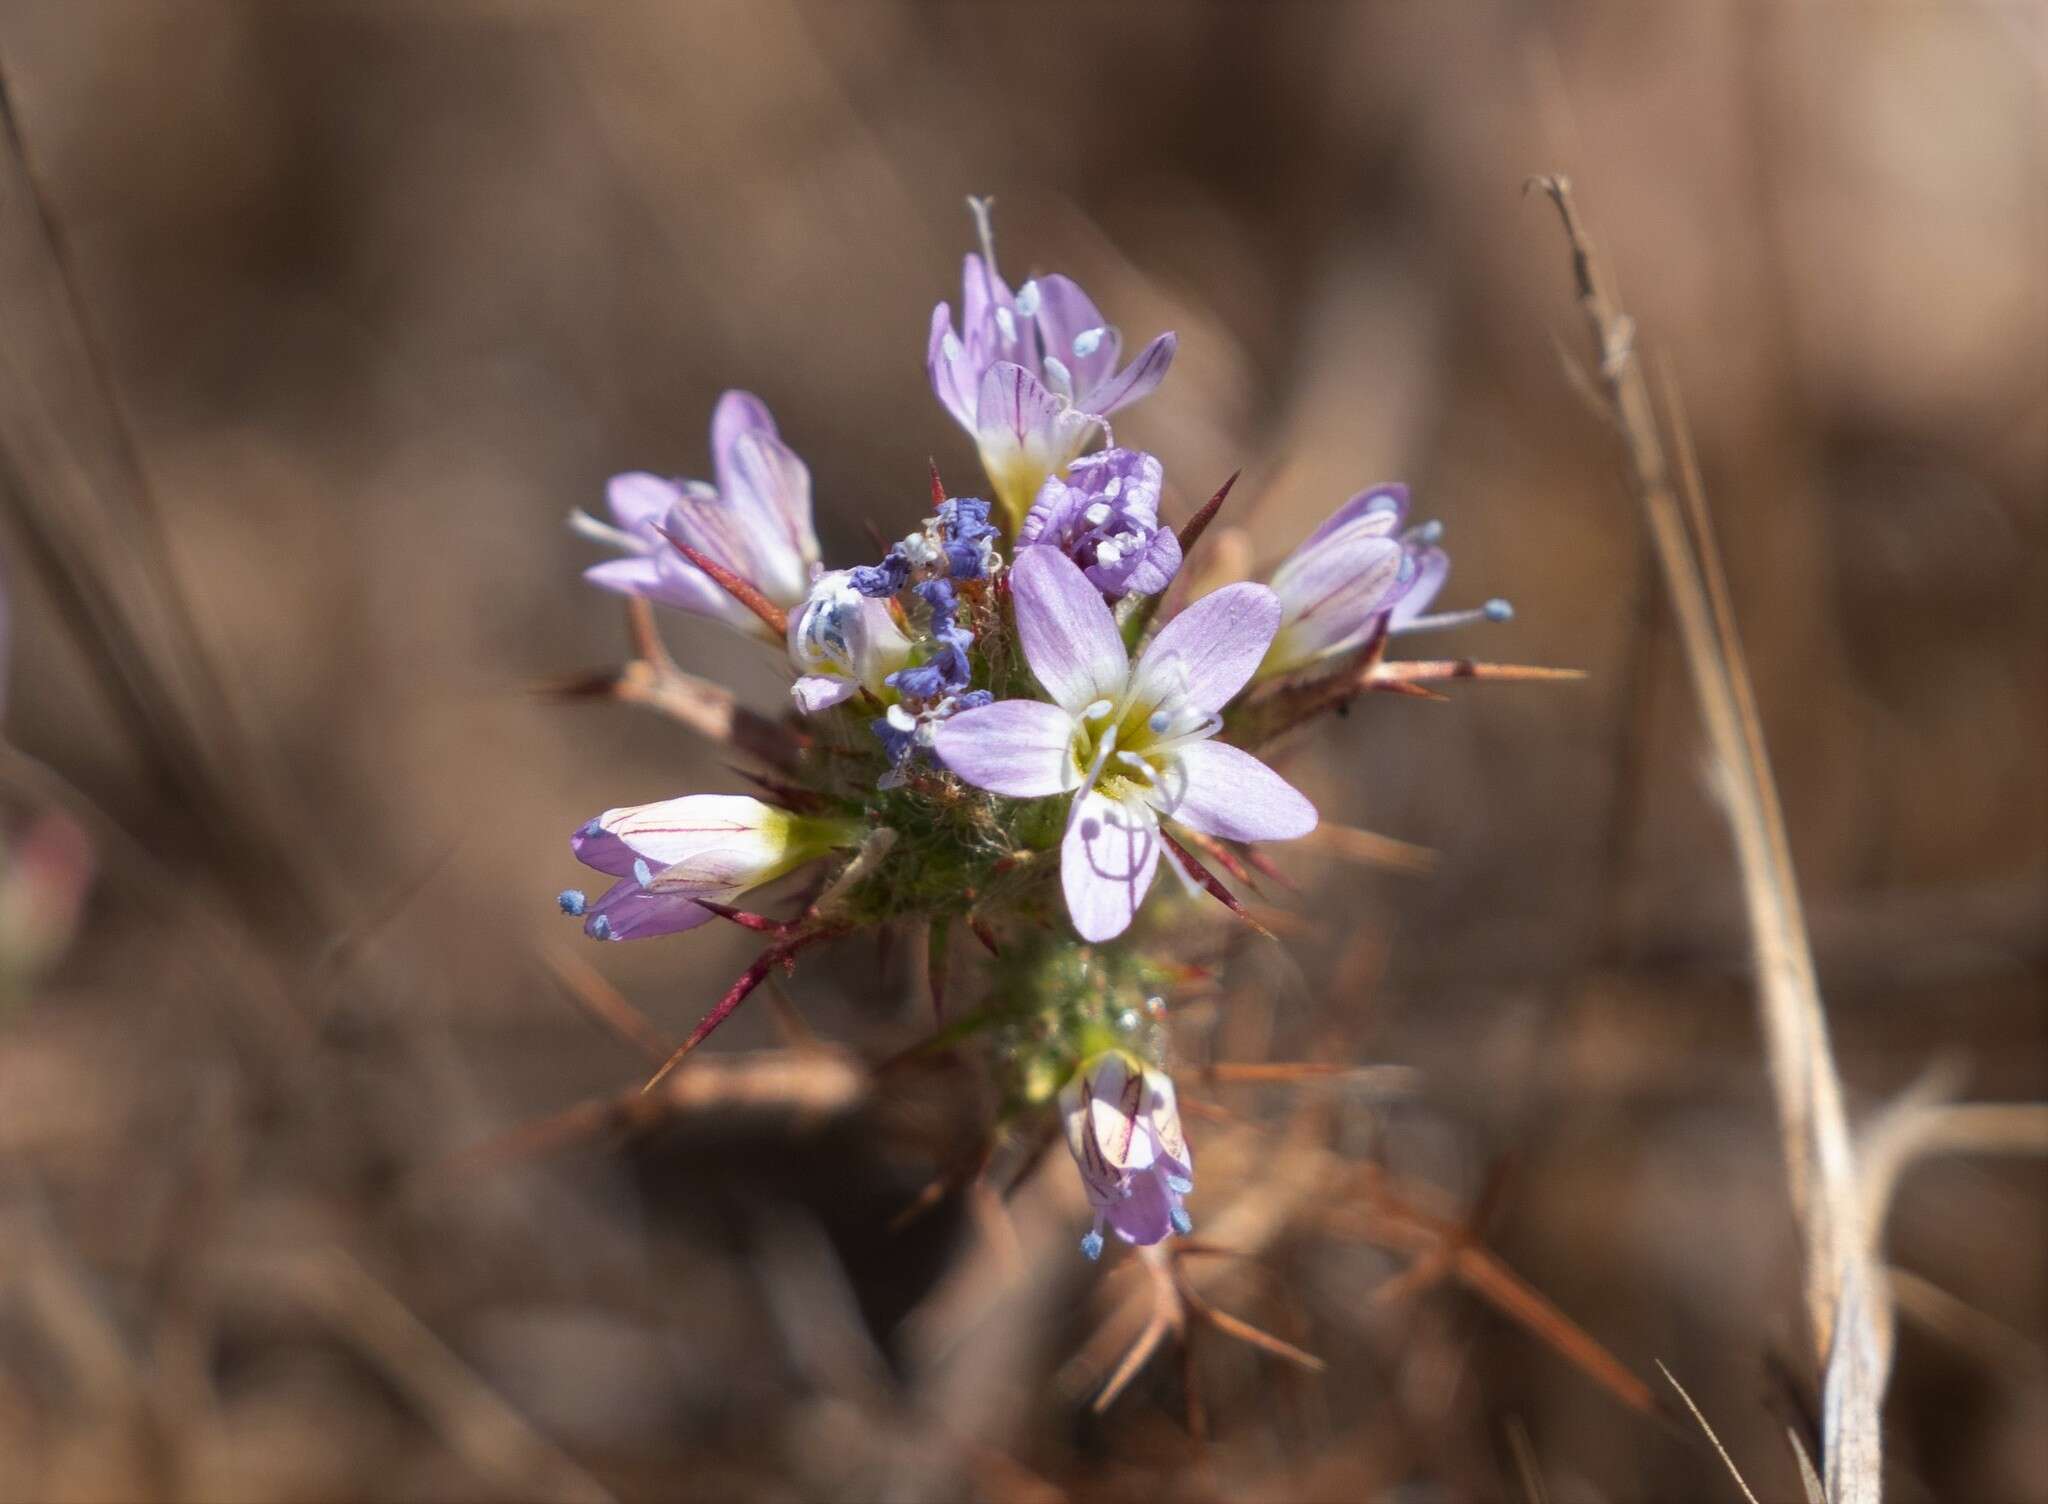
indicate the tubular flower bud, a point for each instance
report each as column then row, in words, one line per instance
column 1104, row 515
column 1345, row 576
column 1123, row 1129
column 841, row 642
column 669, row 854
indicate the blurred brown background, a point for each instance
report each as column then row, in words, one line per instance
column 383, row 290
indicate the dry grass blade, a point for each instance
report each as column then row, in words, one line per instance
column 605, row 1004
column 88, row 521
column 1733, row 1471
column 1369, row 849
column 476, row 1423
column 1812, row 1120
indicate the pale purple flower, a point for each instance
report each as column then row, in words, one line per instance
column 1031, row 374
column 756, row 522
column 669, row 854
column 1344, row 577
column 1123, row 1128
column 842, row 642
column 1131, row 742
column 1104, row 515
column 1358, row 568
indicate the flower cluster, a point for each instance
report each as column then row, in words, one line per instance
column 1010, row 719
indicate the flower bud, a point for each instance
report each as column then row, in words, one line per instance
column 1123, row 1129
column 841, row 642
column 669, row 854
column 1104, row 515
column 1343, row 578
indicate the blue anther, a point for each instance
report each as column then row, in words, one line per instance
column 1431, row 531
column 1499, row 610
column 1180, row 1185
column 599, row 927
column 642, row 873
column 1182, row 1222
column 1091, row 1245
column 571, row 901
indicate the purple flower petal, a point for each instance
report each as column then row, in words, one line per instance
column 769, row 491
column 628, row 911
column 1020, row 748
column 952, row 374
column 1138, row 379
column 816, row 692
column 655, row 579
column 1432, row 568
column 639, row 500
column 1332, row 592
column 1156, row 568
column 1066, row 315
column 1377, row 509
column 1162, row 1112
column 1231, row 794
column 594, row 846
column 1145, row 1216
column 737, row 415
column 1017, row 419
column 719, row 838
column 1107, row 862
column 1207, row 653
column 1070, row 639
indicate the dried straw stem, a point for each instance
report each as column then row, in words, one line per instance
column 1843, row 1294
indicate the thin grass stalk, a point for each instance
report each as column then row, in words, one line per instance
column 1850, row 1341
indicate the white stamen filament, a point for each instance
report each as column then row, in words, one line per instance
column 1199, row 731
column 979, row 208
column 1494, row 610
column 586, row 526
column 1102, row 753
column 1007, row 323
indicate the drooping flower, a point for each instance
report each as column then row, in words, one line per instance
column 669, row 854
column 1031, row 374
column 1344, row 577
column 1104, row 515
column 1123, row 1128
column 1358, row 568
column 842, row 642
column 1131, row 742
column 756, row 522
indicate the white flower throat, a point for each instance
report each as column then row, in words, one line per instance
column 1128, row 747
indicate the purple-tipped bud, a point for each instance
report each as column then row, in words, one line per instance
column 1104, row 515
column 1123, row 1129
